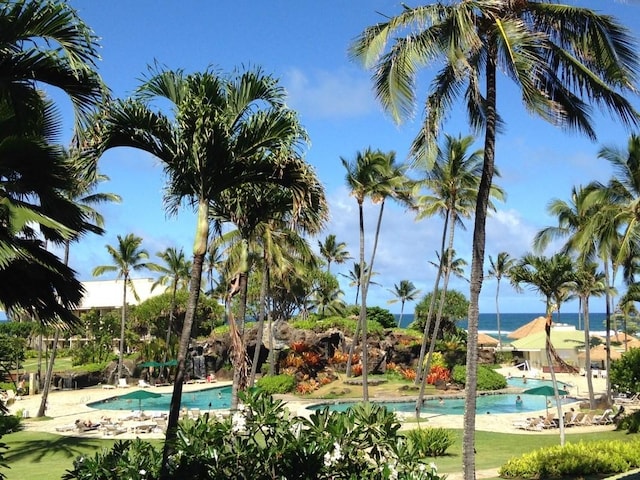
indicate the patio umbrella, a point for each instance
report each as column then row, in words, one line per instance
column 545, row 390
column 151, row 364
column 139, row 395
column 170, row 363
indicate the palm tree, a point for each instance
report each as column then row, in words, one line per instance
column 550, row 277
column 43, row 44
column 453, row 181
column 563, row 58
column 175, row 275
column 404, row 292
column 128, row 257
column 355, row 276
column 498, row 269
column 333, row 251
column 229, row 130
column 588, row 283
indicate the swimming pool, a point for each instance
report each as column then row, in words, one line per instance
column 498, row 403
column 518, row 382
column 208, row 399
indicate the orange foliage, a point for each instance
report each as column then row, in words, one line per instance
column 299, row 347
column 437, row 373
column 339, row 357
column 307, row 387
column 356, row 370
column 311, row 358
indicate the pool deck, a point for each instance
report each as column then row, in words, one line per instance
column 67, row 406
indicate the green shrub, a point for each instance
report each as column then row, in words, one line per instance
column 504, row 357
column 10, row 423
column 431, row 442
column 263, row 441
column 575, row 460
column 346, row 325
column 488, row 379
column 7, row 386
column 276, row 383
column 630, row 422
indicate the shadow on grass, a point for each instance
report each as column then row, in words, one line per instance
column 34, row 447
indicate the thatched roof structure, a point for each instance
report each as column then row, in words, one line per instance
column 485, row 340
column 534, row 326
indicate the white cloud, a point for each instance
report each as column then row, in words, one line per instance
column 330, row 95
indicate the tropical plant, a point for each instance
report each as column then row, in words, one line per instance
column 551, row 277
column 175, row 274
column 333, row 251
column 355, row 276
column 498, row 269
column 44, row 44
column 454, row 181
column 563, row 58
column 229, row 130
column 405, row 291
column 128, row 257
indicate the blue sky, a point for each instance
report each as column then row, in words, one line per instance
column 305, row 44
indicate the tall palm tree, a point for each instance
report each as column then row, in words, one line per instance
column 453, row 181
column 404, row 292
column 588, row 283
column 175, row 274
column 500, row 269
column 128, row 257
column 550, row 277
column 355, row 276
column 43, row 44
column 563, row 59
column 229, row 130
column 333, row 251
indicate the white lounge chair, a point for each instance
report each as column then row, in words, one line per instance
column 122, row 383
column 143, row 383
column 112, row 429
column 604, row 419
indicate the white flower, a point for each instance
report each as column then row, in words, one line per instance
column 433, row 466
column 238, row 423
column 333, row 457
column 142, row 472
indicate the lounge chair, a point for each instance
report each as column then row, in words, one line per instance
column 549, row 422
column 122, row 383
column 586, row 420
column 536, row 424
column 632, row 400
column 82, row 427
column 143, row 383
column 570, row 418
column 604, row 419
column 113, row 429
column 66, row 428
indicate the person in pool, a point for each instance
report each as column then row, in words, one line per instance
column 518, row 401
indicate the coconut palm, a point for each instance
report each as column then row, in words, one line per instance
column 333, row 251
column 453, row 181
column 563, row 59
column 128, row 257
column 175, row 274
column 500, row 269
column 355, row 276
column 550, row 277
column 588, row 283
column 43, row 44
column 404, row 292
column 226, row 131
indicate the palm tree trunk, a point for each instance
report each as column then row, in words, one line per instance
column 477, row 260
column 263, row 308
column 498, row 314
column 587, row 352
column 363, row 309
column 427, row 324
column 436, row 327
column 553, row 376
column 48, row 375
column 401, row 313
column 199, row 251
column 170, row 325
column 123, row 319
column 608, row 301
column 239, row 355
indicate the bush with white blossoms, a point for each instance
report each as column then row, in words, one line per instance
column 264, row 441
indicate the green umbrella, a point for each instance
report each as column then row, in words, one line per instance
column 545, row 390
column 170, row 363
column 151, row 364
column 139, row 395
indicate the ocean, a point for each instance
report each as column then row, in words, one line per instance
column 488, row 323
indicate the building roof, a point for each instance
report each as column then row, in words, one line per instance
column 535, row 325
column 484, row 339
column 599, row 353
column 563, row 338
column 108, row 293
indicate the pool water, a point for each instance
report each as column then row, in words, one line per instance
column 518, row 382
column 499, row 403
column 209, row 399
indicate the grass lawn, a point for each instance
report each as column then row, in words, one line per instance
column 46, row 456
